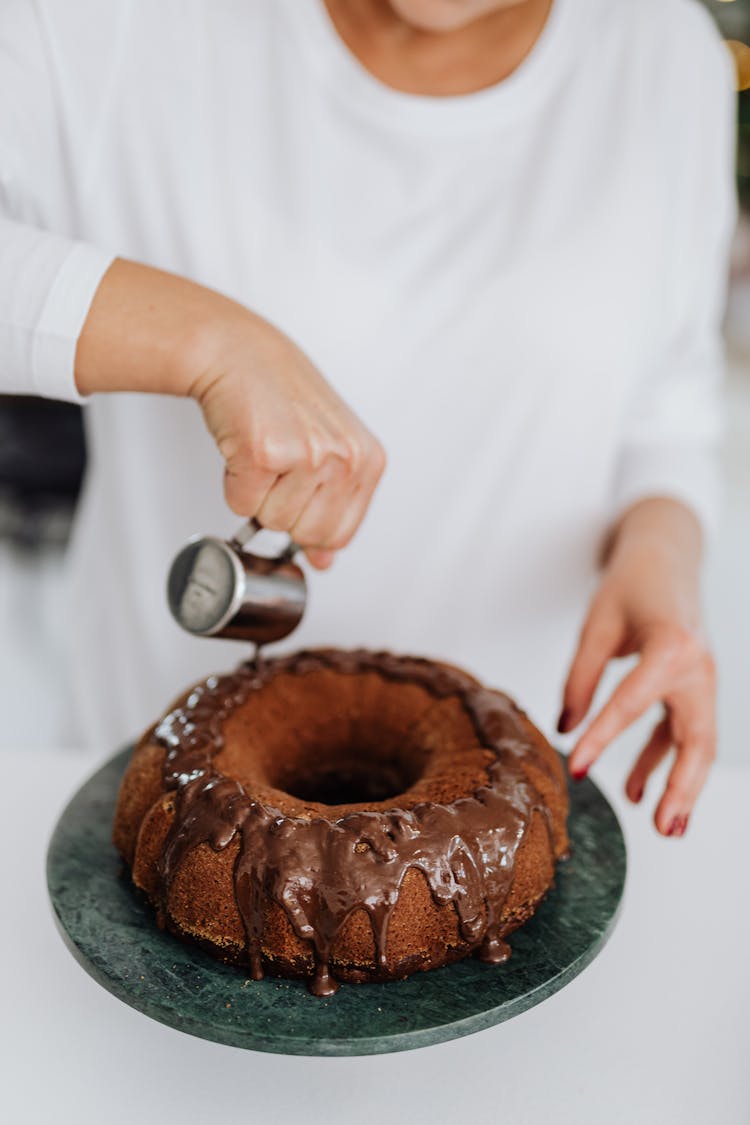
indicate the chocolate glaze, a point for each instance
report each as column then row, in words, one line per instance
column 320, row 871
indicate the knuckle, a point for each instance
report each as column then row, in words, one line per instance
column 339, row 460
column 352, row 454
column 313, row 453
column 705, row 747
column 362, row 456
column 230, row 448
column 624, row 712
column 681, row 648
column 378, row 459
column 270, row 456
column 707, row 664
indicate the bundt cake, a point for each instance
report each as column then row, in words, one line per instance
column 336, row 815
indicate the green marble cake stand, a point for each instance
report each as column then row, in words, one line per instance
column 111, row 932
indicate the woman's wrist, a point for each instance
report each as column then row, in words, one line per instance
column 654, row 557
column 223, row 336
column 661, row 529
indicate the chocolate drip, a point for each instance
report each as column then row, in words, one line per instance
column 320, row 872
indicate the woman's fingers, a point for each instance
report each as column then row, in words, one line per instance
column 338, row 506
column 246, row 487
column 286, row 500
column 677, row 670
column 686, row 779
column 645, row 685
column 353, row 516
column 689, row 771
column 655, row 750
column 283, row 507
column 319, row 498
column 329, row 508
column 274, row 475
column 693, row 723
column 598, row 643
column 320, row 509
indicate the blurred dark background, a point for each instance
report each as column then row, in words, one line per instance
column 42, row 460
column 733, row 18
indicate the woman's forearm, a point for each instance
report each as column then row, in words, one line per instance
column 148, row 330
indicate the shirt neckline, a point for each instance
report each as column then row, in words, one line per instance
column 341, row 70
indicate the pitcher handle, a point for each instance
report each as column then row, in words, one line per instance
column 249, row 529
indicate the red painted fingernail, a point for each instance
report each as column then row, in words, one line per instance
column 578, row 775
column 682, row 826
column 563, row 723
column 673, row 829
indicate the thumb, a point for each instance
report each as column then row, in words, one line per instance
column 599, row 641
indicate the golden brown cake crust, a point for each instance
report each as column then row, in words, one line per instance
column 343, row 816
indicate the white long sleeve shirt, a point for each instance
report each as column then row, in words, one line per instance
column 518, row 290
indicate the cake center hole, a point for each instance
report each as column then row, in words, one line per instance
column 357, row 780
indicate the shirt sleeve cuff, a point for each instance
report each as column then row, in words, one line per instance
column 677, row 472
column 61, row 320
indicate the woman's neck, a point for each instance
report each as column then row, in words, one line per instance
column 440, row 64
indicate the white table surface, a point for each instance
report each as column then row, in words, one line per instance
column 655, row 1031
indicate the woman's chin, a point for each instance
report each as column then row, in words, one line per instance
column 445, row 15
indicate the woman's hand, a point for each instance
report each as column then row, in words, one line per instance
column 296, row 456
column 648, row 604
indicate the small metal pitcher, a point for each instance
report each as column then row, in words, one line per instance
column 217, row 588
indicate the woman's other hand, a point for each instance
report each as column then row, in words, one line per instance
column 297, row 458
column 648, row 603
